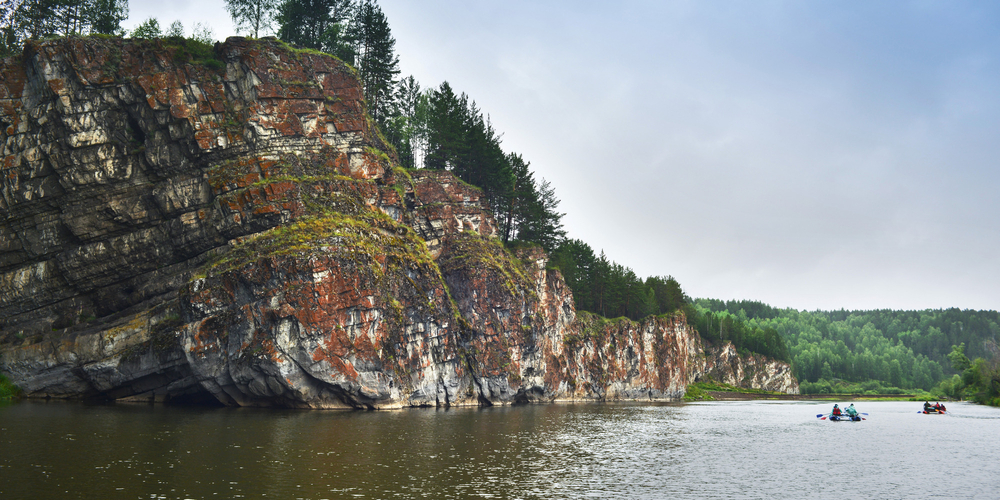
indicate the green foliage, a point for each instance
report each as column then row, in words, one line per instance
column 252, row 16
column 375, row 58
column 443, row 130
column 190, row 50
column 696, row 393
column 405, row 126
column 108, row 15
column 910, row 350
column 609, row 289
column 667, row 292
column 21, row 20
column 316, row 24
column 176, row 30
column 978, row 379
column 148, row 29
column 870, row 387
column 699, row 391
column 7, row 389
column 744, row 334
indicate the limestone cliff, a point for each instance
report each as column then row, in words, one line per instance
column 235, row 231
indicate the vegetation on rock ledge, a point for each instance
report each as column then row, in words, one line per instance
column 7, row 389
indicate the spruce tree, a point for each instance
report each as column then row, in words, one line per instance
column 445, row 128
column 376, row 58
column 315, row 24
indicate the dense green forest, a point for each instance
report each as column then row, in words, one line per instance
column 441, row 128
column 884, row 349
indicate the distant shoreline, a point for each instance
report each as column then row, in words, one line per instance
column 744, row 396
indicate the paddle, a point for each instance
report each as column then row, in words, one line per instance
column 822, row 416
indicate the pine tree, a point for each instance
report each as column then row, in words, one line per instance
column 315, row 24
column 445, row 128
column 668, row 294
column 540, row 222
column 375, row 58
column 406, row 127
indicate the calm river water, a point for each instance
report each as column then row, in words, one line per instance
column 701, row 450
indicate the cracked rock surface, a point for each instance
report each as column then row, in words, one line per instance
column 236, row 232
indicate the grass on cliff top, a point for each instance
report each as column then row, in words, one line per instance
column 194, row 51
column 8, row 390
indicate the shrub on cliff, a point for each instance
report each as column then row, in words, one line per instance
column 7, row 389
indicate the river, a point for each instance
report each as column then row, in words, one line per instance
column 755, row 449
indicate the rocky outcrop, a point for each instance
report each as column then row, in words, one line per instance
column 232, row 229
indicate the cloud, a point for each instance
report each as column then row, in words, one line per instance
column 799, row 153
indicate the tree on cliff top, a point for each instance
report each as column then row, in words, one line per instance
column 150, row 28
column 21, row 20
column 108, row 15
column 317, row 24
column 252, row 16
column 375, row 57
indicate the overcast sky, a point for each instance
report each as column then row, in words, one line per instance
column 815, row 155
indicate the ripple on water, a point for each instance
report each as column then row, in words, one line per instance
column 704, row 450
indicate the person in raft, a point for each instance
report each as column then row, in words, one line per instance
column 836, row 411
column 927, row 406
column 851, row 411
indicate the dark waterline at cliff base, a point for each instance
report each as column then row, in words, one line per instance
column 755, row 449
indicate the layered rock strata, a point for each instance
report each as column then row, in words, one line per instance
column 233, row 230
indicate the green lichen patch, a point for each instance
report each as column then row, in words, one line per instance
column 369, row 235
column 473, row 252
column 595, row 328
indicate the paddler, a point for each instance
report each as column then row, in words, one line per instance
column 836, row 411
column 851, row 411
column 927, row 406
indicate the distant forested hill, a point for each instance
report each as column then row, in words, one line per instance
column 904, row 349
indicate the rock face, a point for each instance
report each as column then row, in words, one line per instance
column 233, row 230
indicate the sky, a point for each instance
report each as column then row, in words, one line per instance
column 813, row 155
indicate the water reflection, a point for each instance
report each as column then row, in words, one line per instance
column 712, row 450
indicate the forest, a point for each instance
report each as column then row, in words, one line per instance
column 443, row 128
column 883, row 350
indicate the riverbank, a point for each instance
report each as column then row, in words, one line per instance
column 713, row 391
column 742, row 396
